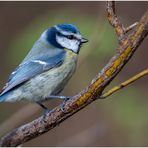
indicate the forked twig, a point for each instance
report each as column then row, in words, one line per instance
column 115, row 21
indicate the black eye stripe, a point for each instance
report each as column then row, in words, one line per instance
column 67, row 36
column 71, row 37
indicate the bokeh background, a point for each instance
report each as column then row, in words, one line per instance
column 119, row 120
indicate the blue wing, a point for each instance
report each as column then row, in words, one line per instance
column 29, row 69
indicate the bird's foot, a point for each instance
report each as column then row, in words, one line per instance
column 63, row 104
column 65, row 98
column 46, row 111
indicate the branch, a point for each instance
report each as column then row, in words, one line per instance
column 115, row 21
column 129, row 28
column 88, row 95
column 122, row 85
column 17, row 119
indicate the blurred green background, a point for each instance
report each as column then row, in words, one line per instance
column 119, row 120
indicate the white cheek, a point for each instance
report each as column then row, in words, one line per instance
column 67, row 43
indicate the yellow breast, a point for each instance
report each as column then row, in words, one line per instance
column 54, row 80
column 70, row 56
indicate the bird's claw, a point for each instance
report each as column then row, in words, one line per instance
column 46, row 111
column 63, row 105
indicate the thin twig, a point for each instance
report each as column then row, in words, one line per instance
column 129, row 28
column 88, row 95
column 122, row 85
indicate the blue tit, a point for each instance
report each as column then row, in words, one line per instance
column 47, row 67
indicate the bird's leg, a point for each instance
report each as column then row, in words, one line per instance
column 46, row 110
column 65, row 98
column 41, row 105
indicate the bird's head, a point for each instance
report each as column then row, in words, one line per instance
column 65, row 36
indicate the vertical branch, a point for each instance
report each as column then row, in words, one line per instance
column 114, row 20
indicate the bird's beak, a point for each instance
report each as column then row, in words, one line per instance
column 83, row 40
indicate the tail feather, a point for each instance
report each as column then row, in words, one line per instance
column 3, row 97
column 6, row 97
column 10, row 96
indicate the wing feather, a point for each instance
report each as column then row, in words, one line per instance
column 27, row 70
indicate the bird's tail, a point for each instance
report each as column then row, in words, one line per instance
column 3, row 97
column 7, row 97
column 10, row 96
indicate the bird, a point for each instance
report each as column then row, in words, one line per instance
column 47, row 68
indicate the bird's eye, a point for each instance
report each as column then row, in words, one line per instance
column 70, row 37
